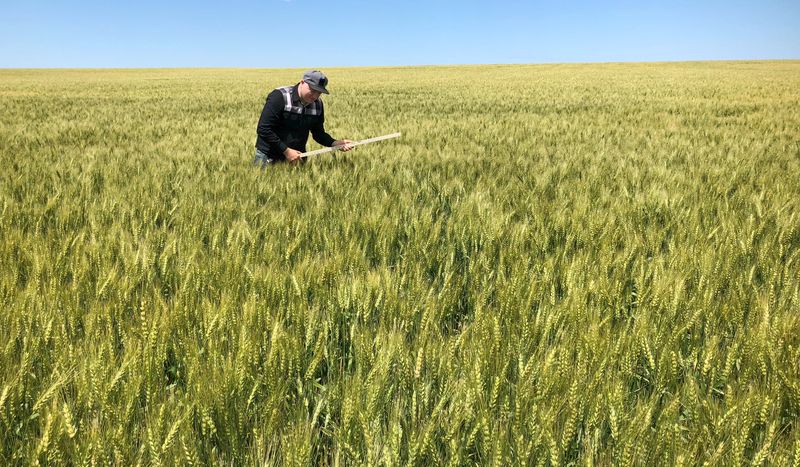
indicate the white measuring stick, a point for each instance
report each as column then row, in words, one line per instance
column 353, row 144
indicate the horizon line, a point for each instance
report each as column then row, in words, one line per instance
column 432, row 65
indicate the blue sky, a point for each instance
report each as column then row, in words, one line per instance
column 315, row 33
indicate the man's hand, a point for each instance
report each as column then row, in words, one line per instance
column 343, row 144
column 292, row 155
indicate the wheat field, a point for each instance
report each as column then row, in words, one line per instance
column 589, row 264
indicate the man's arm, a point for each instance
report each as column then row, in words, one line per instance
column 323, row 138
column 318, row 130
column 269, row 121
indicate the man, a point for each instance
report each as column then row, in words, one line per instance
column 289, row 114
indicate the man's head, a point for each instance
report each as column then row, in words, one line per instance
column 312, row 86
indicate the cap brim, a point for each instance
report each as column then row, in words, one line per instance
column 317, row 88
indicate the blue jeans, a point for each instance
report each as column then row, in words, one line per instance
column 262, row 160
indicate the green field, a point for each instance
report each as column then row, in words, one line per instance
column 587, row 264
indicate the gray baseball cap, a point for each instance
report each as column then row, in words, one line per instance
column 316, row 80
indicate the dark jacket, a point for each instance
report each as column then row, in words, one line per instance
column 285, row 122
